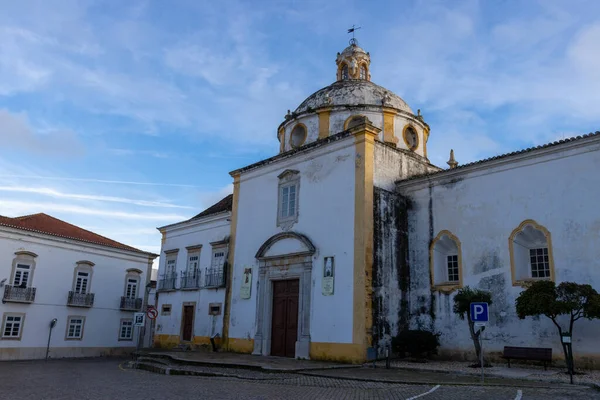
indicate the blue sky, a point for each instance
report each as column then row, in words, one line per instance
column 124, row 116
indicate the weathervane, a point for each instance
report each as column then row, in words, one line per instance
column 351, row 30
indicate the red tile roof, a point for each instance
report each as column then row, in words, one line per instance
column 46, row 224
column 223, row 205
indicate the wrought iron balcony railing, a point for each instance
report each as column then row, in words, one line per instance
column 167, row 282
column 214, row 277
column 80, row 299
column 130, row 304
column 18, row 294
column 190, row 280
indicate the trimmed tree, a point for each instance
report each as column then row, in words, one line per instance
column 462, row 306
column 572, row 299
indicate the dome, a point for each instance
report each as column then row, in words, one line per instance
column 353, row 48
column 353, row 92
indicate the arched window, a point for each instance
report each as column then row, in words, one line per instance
column 530, row 247
column 363, row 72
column 353, row 121
column 446, row 262
column 82, row 277
column 298, row 136
column 345, row 74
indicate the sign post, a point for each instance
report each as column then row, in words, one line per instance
column 566, row 340
column 139, row 318
column 479, row 314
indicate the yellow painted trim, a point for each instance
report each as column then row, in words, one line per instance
column 425, row 139
column 163, row 238
column 446, row 287
column 324, row 122
column 363, row 236
column 342, row 352
column 240, row 345
column 229, row 283
column 404, row 136
column 389, row 117
column 166, row 341
column 511, row 239
column 281, row 135
column 305, row 135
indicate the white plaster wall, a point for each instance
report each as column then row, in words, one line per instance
column 202, row 232
column 311, row 121
column 53, row 279
column 338, row 117
column 326, row 217
column 392, row 165
column 559, row 190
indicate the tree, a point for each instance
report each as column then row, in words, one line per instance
column 569, row 298
column 462, row 306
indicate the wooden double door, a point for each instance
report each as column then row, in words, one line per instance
column 284, row 326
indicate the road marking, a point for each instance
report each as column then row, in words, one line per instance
column 519, row 395
column 433, row 389
column 121, row 368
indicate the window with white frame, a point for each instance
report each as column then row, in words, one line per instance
column 531, row 254
column 445, row 261
column 12, row 326
column 82, row 279
column 193, row 262
column 131, row 289
column 171, row 266
column 289, row 186
column 126, row 329
column 22, row 273
column 75, row 328
column 218, row 257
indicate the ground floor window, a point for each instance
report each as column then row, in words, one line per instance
column 126, row 330
column 75, row 328
column 12, row 326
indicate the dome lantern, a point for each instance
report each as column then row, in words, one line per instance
column 353, row 63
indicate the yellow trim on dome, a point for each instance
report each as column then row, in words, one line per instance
column 324, row 114
column 389, row 117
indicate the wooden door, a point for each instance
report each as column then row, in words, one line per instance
column 188, row 323
column 284, row 326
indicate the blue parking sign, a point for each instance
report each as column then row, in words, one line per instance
column 480, row 312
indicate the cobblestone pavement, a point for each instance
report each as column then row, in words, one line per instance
column 95, row 379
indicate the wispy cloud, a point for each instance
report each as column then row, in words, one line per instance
column 58, row 194
column 65, row 178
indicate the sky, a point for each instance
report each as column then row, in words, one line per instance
column 121, row 117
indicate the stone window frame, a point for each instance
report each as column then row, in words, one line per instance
column 404, row 133
column 165, row 312
column 24, row 258
column 21, row 326
column 515, row 264
column 445, row 286
column 288, row 178
column 305, row 129
column 121, row 338
column 68, row 325
column 133, row 273
column 83, row 266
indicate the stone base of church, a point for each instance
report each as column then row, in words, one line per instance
column 236, row 345
column 341, row 352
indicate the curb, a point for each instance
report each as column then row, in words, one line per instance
column 553, row 381
column 165, row 370
column 261, row 368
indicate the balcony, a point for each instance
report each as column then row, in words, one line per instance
column 80, row 299
column 190, row 280
column 167, row 282
column 214, row 278
column 129, row 304
column 17, row 294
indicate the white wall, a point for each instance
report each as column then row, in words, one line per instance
column 392, row 165
column 200, row 232
column 557, row 187
column 53, row 279
column 326, row 217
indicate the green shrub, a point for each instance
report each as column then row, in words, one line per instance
column 417, row 343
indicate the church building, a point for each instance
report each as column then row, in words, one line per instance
column 348, row 235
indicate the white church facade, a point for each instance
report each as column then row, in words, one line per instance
column 350, row 234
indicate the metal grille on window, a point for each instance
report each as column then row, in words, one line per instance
column 540, row 263
column 453, row 268
column 82, row 282
column 12, row 326
column 214, row 276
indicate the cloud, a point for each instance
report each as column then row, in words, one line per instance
column 16, row 208
column 108, row 181
column 17, row 133
column 55, row 193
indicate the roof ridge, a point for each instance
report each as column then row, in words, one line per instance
column 505, row 155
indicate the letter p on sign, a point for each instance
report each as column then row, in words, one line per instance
column 479, row 312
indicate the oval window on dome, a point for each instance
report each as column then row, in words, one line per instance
column 298, row 136
column 411, row 138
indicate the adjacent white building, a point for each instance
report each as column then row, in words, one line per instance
column 88, row 284
column 350, row 235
